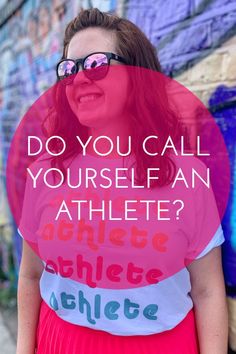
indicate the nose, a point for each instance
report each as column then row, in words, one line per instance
column 81, row 78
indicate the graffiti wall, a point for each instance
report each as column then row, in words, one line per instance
column 30, row 46
column 196, row 43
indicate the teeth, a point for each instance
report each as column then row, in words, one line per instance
column 88, row 98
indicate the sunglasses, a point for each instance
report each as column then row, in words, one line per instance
column 94, row 65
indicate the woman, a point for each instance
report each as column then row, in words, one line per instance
column 95, row 37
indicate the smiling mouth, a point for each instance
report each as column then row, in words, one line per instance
column 89, row 98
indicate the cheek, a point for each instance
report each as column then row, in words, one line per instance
column 117, row 91
column 70, row 97
column 116, row 88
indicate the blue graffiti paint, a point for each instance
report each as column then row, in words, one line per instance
column 223, row 106
column 184, row 31
column 30, row 45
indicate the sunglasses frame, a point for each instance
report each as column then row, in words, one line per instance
column 80, row 62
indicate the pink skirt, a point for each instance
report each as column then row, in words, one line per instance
column 56, row 336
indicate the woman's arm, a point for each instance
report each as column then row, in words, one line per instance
column 28, row 300
column 209, row 298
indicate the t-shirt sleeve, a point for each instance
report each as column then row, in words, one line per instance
column 207, row 232
column 29, row 222
column 216, row 241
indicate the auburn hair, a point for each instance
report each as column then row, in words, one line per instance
column 135, row 47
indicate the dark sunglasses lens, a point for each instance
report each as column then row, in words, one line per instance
column 65, row 71
column 96, row 66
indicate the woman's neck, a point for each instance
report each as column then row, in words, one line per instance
column 118, row 134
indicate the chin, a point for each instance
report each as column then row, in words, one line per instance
column 91, row 122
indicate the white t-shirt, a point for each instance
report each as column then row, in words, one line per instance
column 120, row 309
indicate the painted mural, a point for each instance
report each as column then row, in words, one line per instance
column 196, row 43
column 30, row 46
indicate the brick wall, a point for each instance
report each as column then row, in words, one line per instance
column 196, row 42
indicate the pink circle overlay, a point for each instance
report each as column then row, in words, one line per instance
column 140, row 233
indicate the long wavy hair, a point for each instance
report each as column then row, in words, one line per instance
column 134, row 46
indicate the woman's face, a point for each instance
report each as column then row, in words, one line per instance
column 98, row 104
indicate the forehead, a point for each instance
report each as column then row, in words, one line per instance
column 91, row 40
